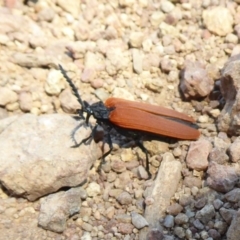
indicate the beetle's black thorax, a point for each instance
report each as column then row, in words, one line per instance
column 99, row 111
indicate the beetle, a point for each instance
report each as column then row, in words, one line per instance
column 134, row 119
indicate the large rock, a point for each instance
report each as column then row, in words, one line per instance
column 195, row 81
column 36, row 157
column 222, row 178
column 161, row 192
column 229, row 119
column 197, row 157
column 234, row 230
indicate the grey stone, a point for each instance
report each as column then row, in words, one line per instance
column 164, row 187
column 233, row 195
column 206, row 213
column 197, row 224
column 217, row 203
column 168, row 221
column 181, row 218
column 124, row 198
column 227, row 214
column 138, row 220
column 179, row 232
column 233, row 232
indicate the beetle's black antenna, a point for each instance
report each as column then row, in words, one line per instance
column 74, row 89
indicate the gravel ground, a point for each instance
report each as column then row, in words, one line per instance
column 182, row 55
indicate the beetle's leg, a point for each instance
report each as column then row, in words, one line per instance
column 86, row 139
column 83, row 141
column 109, row 141
column 74, row 132
column 139, row 144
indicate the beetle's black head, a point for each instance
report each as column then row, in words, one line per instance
column 100, row 111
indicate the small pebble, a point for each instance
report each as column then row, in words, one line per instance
column 168, row 221
column 93, row 189
column 138, row 220
column 124, row 198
